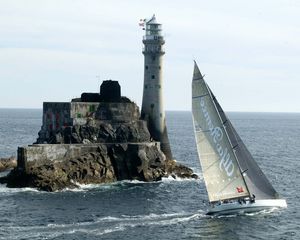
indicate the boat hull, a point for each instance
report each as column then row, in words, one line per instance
column 248, row 207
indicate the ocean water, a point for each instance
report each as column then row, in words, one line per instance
column 170, row 209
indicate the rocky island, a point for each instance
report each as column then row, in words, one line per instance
column 98, row 138
column 103, row 137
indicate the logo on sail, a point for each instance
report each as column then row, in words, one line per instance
column 240, row 189
column 217, row 136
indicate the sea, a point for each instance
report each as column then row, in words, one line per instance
column 169, row 209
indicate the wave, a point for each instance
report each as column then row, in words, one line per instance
column 88, row 187
column 265, row 211
column 80, row 188
column 5, row 190
column 262, row 212
column 4, row 173
column 178, row 179
column 102, row 186
column 103, row 225
column 149, row 220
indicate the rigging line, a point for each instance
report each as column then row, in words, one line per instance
column 197, row 79
column 235, row 146
column 200, row 96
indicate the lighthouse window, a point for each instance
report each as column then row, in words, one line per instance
column 146, row 86
column 159, row 67
column 153, row 59
column 153, row 76
column 146, row 67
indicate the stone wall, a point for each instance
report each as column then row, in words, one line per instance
column 57, row 115
column 61, row 152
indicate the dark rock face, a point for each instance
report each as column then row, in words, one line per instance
column 94, row 167
column 99, row 132
column 144, row 162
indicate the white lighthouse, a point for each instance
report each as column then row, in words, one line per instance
column 153, row 104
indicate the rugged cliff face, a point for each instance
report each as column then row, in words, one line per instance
column 95, row 131
column 98, row 151
column 106, row 164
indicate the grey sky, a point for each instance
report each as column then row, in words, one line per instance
column 54, row 50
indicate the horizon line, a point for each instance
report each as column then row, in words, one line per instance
column 171, row 110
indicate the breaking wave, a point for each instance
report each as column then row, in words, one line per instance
column 87, row 187
column 6, row 190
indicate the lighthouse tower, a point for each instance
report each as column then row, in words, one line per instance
column 153, row 104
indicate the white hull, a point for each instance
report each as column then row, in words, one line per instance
column 248, row 207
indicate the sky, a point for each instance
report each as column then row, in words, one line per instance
column 249, row 51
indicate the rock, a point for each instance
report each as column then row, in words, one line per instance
column 95, row 167
column 124, row 151
column 144, row 162
column 98, row 132
column 178, row 170
column 106, row 133
column 86, row 141
column 7, row 163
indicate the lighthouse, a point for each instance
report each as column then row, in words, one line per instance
column 153, row 104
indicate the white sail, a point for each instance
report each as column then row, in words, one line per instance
column 221, row 171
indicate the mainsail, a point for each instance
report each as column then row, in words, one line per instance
column 256, row 181
column 229, row 170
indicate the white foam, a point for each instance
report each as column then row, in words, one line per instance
column 4, row 189
column 98, row 220
column 4, row 173
column 178, row 179
column 114, row 224
column 86, row 187
column 125, row 222
column 265, row 211
column 150, row 220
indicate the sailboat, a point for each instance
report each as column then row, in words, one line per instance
column 234, row 182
